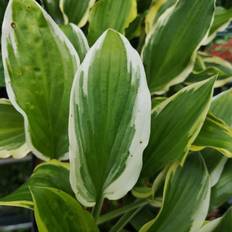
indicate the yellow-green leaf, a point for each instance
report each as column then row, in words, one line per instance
column 115, row 14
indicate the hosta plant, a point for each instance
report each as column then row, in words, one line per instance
column 118, row 100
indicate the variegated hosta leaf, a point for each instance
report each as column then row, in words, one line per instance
column 215, row 134
column 212, row 66
column 215, row 163
column 169, row 51
column 186, row 198
column 57, row 211
column 109, row 120
column 175, row 123
column 40, row 64
column 12, row 136
column 51, row 174
column 77, row 38
column 52, row 7
column 222, row 191
column 76, row 11
column 157, row 8
column 222, row 19
column 223, row 224
column 222, row 106
column 110, row 14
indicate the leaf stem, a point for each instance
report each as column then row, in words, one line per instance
column 118, row 212
column 122, row 222
column 97, row 208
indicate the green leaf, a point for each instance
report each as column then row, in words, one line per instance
column 186, row 198
column 50, row 174
column 223, row 224
column 222, row 191
column 53, row 9
column 169, row 51
column 105, row 14
column 3, row 4
column 175, row 123
column 57, row 211
column 12, row 136
column 2, row 81
column 222, row 19
column 77, row 38
column 109, row 120
column 215, row 134
column 40, row 64
column 157, row 8
column 212, row 66
column 222, row 106
column 76, row 11
column 215, row 163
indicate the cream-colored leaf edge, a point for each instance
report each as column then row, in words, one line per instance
column 8, row 34
column 129, row 177
column 17, row 153
column 188, row 69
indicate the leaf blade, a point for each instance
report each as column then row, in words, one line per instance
column 94, row 109
column 37, row 86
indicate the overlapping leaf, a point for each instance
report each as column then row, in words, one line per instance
column 57, row 211
column 12, row 136
column 51, row 174
column 76, row 11
column 222, row 191
column 52, row 7
column 215, row 163
column 210, row 66
column 186, row 198
column 157, row 8
column 222, row 19
column 175, row 123
column 105, row 14
column 77, row 38
column 40, row 64
column 169, row 51
column 223, row 224
column 215, row 134
column 109, row 120
column 222, row 106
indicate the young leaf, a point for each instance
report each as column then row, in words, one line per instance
column 40, row 64
column 12, row 136
column 223, row 224
column 215, row 134
column 175, row 123
column 76, row 11
column 57, row 211
column 222, row 191
column 109, row 120
column 169, row 51
column 105, row 14
column 186, row 198
column 77, row 38
column 50, row 174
